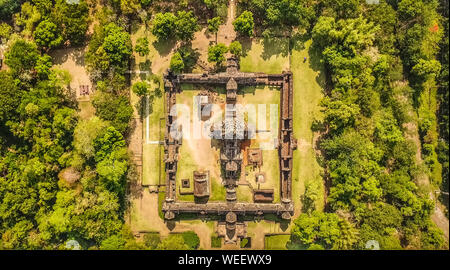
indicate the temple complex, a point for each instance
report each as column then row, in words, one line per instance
column 232, row 135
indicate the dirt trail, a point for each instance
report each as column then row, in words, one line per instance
column 438, row 216
column 226, row 32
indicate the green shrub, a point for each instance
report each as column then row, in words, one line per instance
column 191, row 239
column 246, row 242
column 152, row 240
column 216, row 242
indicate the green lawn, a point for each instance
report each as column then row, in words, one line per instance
column 185, row 168
column 266, row 56
column 153, row 169
column 86, row 109
column 276, row 242
column 307, row 95
column 244, row 194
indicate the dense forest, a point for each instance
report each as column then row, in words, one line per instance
column 63, row 177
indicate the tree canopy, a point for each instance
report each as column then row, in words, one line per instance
column 244, row 24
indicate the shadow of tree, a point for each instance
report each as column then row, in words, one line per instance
column 246, row 45
column 297, row 41
column 284, row 225
column 275, row 46
column 293, row 244
column 164, row 46
column 316, row 64
column 190, row 56
column 135, row 25
column 145, row 69
column 135, row 189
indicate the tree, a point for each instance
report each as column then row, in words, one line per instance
column 425, row 70
column 324, row 229
column 146, row 3
column 8, row 7
column 73, row 19
column 381, row 223
column 43, row 66
column 164, row 25
column 142, row 46
column 185, row 25
column 173, row 242
column 235, row 48
column 216, row 53
column 141, row 89
column 5, row 32
column 343, row 8
column 44, row 6
column 85, row 134
column 114, row 242
column 244, row 24
column 47, row 35
column 22, row 57
column 432, row 237
column 117, row 44
column 152, row 240
column 189, row 55
column 129, row 7
column 310, row 196
column 191, row 239
column 10, row 96
column 116, row 109
column 92, row 216
column 27, row 19
column 177, row 63
column 112, row 170
column 338, row 114
column 349, row 235
column 213, row 25
column 109, row 141
column 64, row 124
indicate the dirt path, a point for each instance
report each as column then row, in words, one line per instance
column 259, row 237
column 226, row 32
column 440, row 220
column 438, row 216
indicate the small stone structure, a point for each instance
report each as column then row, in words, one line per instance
column 231, row 154
column 231, row 229
column 185, row 183
column 255, row 157
column 201, row 184
column 263, row 195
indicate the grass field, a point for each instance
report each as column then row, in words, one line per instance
column 307, row 95
column 151, row 108
column 153, row 171
column 276, row 242
column 266, row 56
column 86, row 109
column 271, row 168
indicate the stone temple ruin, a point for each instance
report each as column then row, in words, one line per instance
column 231, row 210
